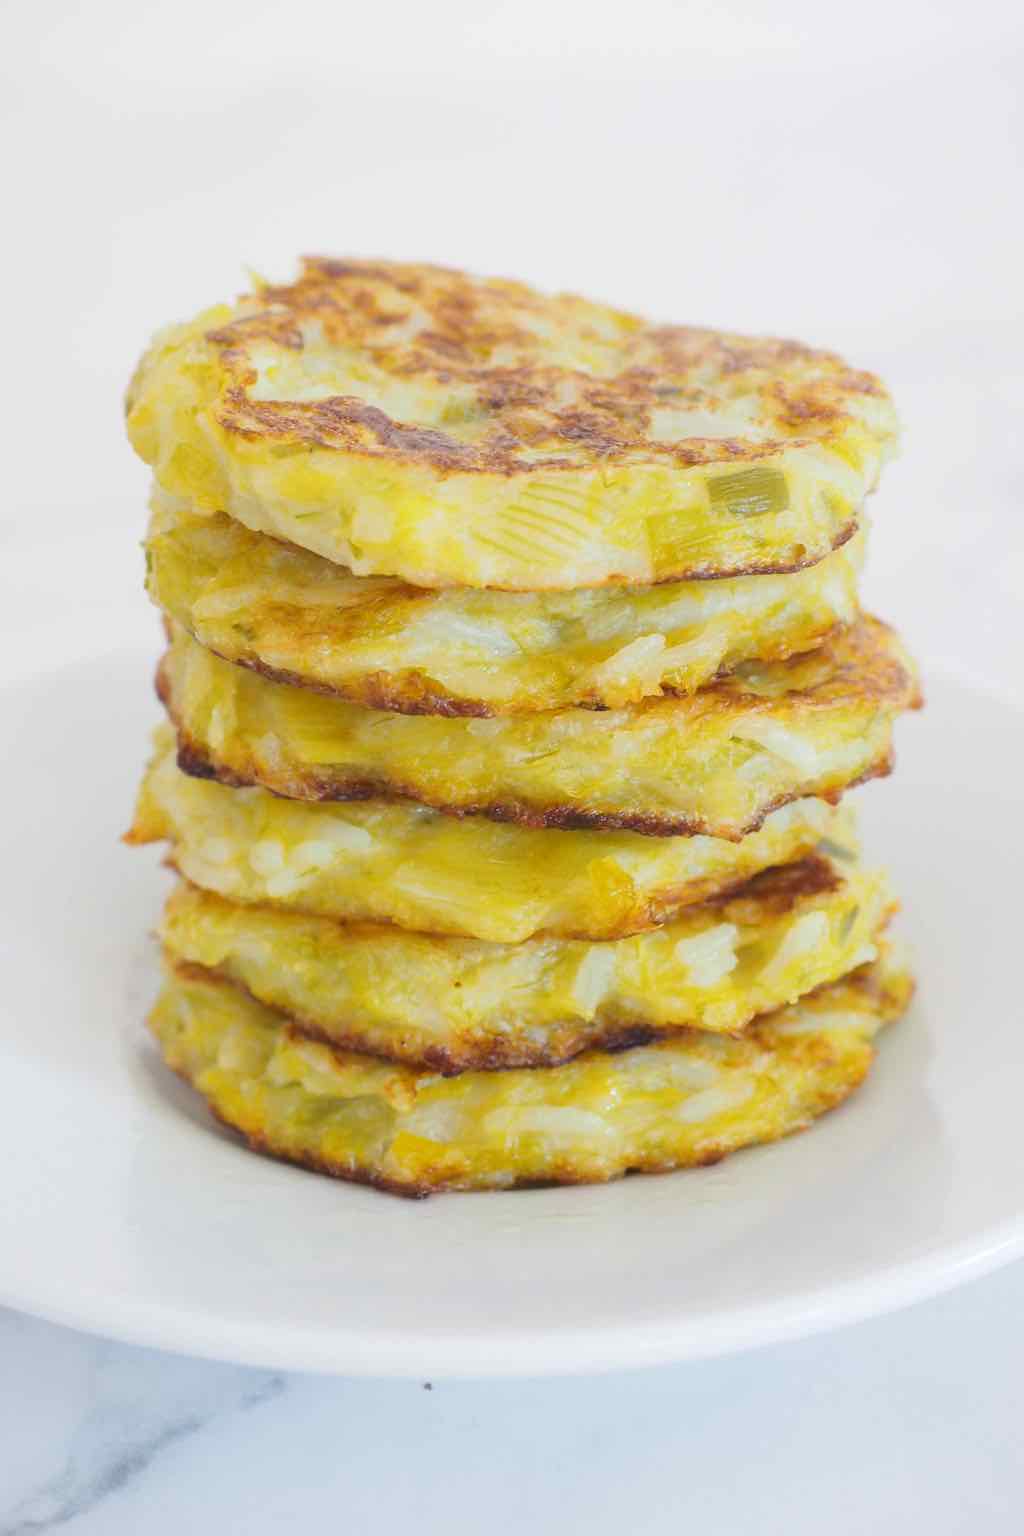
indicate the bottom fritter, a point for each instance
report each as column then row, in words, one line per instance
column 683, row 1102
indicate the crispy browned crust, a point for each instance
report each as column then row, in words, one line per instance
column 778, row 889
column 856, row 667
column 613, row 1037
column 855, row 664
column 619, row 1037
column 480, row 1056
column 893, row 1000
column 195, row 760
column 365, row 305
column 490, row 1056
column 405, row 693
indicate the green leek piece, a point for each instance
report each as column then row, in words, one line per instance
column 749, row 492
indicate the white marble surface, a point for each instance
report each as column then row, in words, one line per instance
column 907, row 1424
column 860, row 185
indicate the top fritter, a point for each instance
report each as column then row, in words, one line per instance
column 414, row 421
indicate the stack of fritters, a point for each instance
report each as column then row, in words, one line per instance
column 515, row 673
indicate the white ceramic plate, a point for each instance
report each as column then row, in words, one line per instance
column 124, row 1210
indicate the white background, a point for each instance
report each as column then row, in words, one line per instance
column 850, row 175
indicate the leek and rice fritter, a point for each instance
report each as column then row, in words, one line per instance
column 689, row 1100
column 412, row 421
column 376, row 861
column 522, row 638
column 468, row 651
column 455, row 1003
column 716, row 762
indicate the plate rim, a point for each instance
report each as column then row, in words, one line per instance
column 591, row 1349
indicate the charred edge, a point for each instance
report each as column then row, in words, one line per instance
column 490, row 1056
column 783, row 886
column 573, row 1040
column 890, row 995
column 197, row 762
column 781, row 651
column 402, row 693
column 860, row 664
column 663, row 908
column 194, row 760
column 625, row 1039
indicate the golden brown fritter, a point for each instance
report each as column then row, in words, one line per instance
column 375, row 861
column 686, row 1101
column 453, row 1003
column 295, row 617
column 715, row 763
column 413, row 421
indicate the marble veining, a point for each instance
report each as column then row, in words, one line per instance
column 909, row 1423
column 137, row 1406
